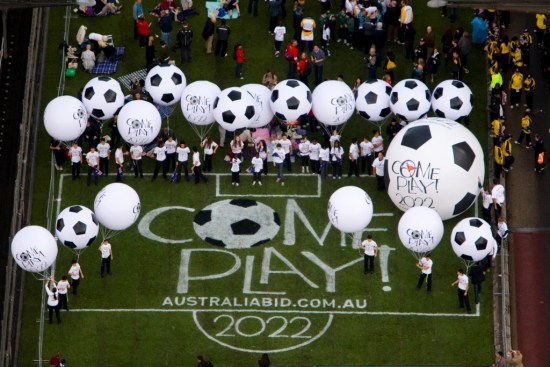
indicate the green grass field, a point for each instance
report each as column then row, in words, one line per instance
column 168, row 302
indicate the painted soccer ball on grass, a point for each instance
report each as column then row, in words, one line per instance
column 373, row 100
column 333, row 102
column 410, row 100
column 472, row 239
column 102, row 97
column 165, row 84
column 437, row 163
column 234, row 108
column 65, row 118
column 290, row 100
column 76, row 227
column 452, row 99
column 237, row 223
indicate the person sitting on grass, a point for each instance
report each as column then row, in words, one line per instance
column 109, row 8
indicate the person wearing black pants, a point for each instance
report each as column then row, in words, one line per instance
column 76, row 160
column 196, row 169
column 462, row 282
column 223, row 32
column 425, row 265
column 53, row 300
column 161, row 161
column 106, row 257
column 183, row 157
column 378, row 171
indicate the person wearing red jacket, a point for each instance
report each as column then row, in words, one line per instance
column 291, row 55
column 304, row 68
column 143, row 30
column 239, row 58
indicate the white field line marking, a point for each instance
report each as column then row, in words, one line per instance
column 252, row 194
column 275, row 311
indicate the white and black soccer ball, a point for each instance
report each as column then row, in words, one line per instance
column 472, row 239
column 437, row 163
column 234, row 108
column 102, row 96
column 237, row 223
column 410, row 100
column 290, row 100
column 76, row 227
column 452, row 99
column 373, row 100
column 165, row 84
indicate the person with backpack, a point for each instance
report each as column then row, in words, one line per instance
column 304, row 68
column 238, row 56
column 185, row 36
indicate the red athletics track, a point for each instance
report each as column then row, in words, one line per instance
column 531, row 254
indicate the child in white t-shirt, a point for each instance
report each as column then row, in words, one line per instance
column 235, row 170
column 258, row 165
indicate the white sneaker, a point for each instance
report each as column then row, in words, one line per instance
column 253, row 183
column 260, row 183
column 237, row 184
column 282, row 183
column 233, row 183
column 278, row 179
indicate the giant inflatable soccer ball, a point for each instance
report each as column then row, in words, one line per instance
column 261, row 95
column 197, row 102
column 290, row 100
column 373, row 100
column 102, row 97
column 437, row 163
column 472, row 239
column 452, row 99
column 234, row 108
column 410, row 100
column 139, row 122
column 65, row 118
column 76, row 227
column 165, row 84
column 333, row 102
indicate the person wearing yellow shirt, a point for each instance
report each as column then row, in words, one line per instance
column 517, row 57
column 526, row 123
column 499, row 160
column 504, row 54
column 542, row 21
column 515, row 86
column 529, row 88
column 498, row 127
column 507, row 153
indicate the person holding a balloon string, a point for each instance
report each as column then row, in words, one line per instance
column 371, row 251
column 53, row 300
column 92, row 158
column 336, row 153
column 75, row 272
column 377, row 141
column 196, row 168
column 106, row 257
column 462, row 281
column 62, row 289
column 136, row 153
column 425, row 265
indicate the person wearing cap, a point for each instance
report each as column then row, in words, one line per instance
column 529, row 88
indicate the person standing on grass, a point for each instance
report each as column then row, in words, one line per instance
column 63, row 288
column 160, row 161
column 291, row 55
column 104, row 150
column 477, row 276
column 378, row 171
column 92, row 158
column 239, row 59
column 171, row 146
column 208, row 32
column 366, row 149
column 106, row 257
column 353, row 156
column 314, row 156
column 210, row 148
column 185, row 36
column 136, row 153
column 119, row 160
column 324, row 157
column 286, row 144
column 425, row 265
column 196, row 168
column 257, row 165
column 143, row 31
column 53, row 300
column 336, row 152
column 235, row 171
column 278, row 160
column 371, row 251
column 279, row 35
column 75, row 272
column 183, row 157
column 303, row 147
column 318, row 58
column 223, row 32
column 463, row 284
column 262, row 151
column 76, row 160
